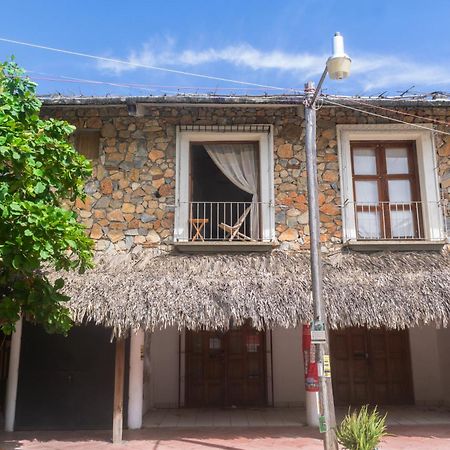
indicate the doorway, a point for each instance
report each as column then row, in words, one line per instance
column 225, row 369
column 65, row 382
column 371, row 366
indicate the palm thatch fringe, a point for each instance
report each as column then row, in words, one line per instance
column 126, row 291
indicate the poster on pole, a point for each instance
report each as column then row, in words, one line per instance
column 318, row 333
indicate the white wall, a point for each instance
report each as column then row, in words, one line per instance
column 443, row 336
column 161, row 370
column 288, row 374
column 426, row 365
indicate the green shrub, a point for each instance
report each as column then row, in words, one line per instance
column 362, row 430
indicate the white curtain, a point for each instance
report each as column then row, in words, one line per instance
column 238, row 162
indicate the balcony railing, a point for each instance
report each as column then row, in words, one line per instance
column 414, row 220
column 225, row 221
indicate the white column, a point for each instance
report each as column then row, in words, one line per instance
column 312, row 408
column 13, row 377
column 136, row 380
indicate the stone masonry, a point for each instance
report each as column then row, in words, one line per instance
column 130, row 198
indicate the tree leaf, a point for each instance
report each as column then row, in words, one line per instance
column 35, row 228
column 59, row 283
column 39, row 188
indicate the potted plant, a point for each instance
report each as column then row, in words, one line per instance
column 362, row 430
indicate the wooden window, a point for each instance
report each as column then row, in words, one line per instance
column 87, row 142
column 386, row 190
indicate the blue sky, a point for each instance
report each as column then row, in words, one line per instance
column 394, row 44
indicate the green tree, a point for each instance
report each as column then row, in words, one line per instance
column 39, row 170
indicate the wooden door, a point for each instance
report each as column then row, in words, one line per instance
column 371, row 366
column 225, row 369
column 205, row 368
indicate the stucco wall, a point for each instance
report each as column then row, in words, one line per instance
column 443, row 338
column 426, row 367
column 288, row 374
column 161, row 388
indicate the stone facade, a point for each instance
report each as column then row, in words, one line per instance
column 130, row 198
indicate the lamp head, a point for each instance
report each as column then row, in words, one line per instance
column 338, row 65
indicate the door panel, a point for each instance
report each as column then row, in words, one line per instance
column 227, row 369
column 371, row 366
column 66, row 382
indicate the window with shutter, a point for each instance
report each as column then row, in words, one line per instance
column 87, row 142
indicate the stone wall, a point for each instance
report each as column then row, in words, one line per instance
column 130, row 198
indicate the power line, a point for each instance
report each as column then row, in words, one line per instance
column 96, row 82
column 142, row 66
column 74, row 80
column 326, row 100
column 404, row 113
column 146, row 86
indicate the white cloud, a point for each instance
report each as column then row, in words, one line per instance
column 369, row 71
column 241, row 55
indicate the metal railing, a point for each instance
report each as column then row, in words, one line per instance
column 415, row 220
column 224, row 221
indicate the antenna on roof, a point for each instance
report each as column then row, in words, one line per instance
column 382, row 94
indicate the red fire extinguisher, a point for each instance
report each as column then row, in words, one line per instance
column 309, row 360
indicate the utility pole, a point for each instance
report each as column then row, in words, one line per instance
column 322, row 350
column 338, row 68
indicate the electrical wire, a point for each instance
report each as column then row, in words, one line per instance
column 326, row 100
column 404, row 113
column 97, row 82
column 142, row 66
column 147, row 86
column 75, row 80
column 321, row 100
column 210, row 77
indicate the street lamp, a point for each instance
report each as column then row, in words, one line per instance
column 338, row 67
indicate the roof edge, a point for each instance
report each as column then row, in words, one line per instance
column 234, row 101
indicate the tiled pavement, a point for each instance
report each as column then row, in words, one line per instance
column 422, row 429
column 278, row 417
column 420, row 437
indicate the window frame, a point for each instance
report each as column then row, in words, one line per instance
column 184, row 139
column 427, row 174
column 382, row 177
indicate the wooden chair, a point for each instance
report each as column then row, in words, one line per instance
column 233, row 230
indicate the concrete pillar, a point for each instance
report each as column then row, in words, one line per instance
column 13, row 377
column 136, row 380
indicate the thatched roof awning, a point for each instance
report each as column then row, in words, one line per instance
column 395, row 290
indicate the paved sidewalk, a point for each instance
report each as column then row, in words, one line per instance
column 279, row 417
column 420, row 437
